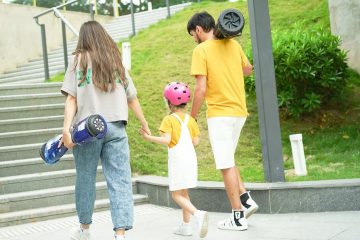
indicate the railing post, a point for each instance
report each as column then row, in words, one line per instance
column 126, row 55
column 44, row 47
column 95, row 6
column 116, row 9
column 63, row 27
column 168, row 8
column 92, row 11
column 64, row 23
column 132, row 17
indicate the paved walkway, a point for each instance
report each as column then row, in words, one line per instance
column 156, row 223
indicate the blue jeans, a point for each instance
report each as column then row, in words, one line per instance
column 113, row 150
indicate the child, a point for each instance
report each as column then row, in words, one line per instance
column 96, row 82
column 180, row 133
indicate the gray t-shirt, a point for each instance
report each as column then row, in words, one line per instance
column 111, row 105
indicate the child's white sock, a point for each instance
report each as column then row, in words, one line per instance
column 119, row 237
column 86, row 231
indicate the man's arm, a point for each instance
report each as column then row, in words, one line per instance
column 248, row 70
column 199, row 95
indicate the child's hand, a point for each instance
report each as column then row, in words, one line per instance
column 145, row 127
column 144, row 133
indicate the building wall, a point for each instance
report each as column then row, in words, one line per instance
column 20, row 37
column 345, row 22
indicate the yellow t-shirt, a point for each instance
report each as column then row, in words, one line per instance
column 170, row 124
column 221, row 61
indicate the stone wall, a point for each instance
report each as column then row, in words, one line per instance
column 20, row 37
column 345, row 22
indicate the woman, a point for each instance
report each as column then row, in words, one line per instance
column 97, row 83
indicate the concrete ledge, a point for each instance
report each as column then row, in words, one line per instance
column 289, row 197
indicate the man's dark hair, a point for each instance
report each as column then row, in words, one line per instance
column 202, row 19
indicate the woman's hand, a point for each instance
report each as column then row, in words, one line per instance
column 67, row 140
column 145, row 128
column 134, row 105
column 144, row 134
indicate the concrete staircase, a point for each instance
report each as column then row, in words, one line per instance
column 30, row 190
column 30, row 114
column 120, row 28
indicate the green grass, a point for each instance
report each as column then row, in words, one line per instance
column 57, row 78
column 162, row 53
column 331, row 138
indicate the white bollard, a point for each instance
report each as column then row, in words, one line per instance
column 297, row 148
column 126, row 55
column 149, row 6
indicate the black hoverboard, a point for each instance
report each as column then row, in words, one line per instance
column 230, row 24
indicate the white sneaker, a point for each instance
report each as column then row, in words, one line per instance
column 249, row 205
column 236, row 221
column 184, row 229
column 79, row 234
column 202, row 222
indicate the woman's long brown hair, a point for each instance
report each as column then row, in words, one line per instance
column 95, row 43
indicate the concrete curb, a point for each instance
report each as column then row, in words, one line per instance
column 289, row 197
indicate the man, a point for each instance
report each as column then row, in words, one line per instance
column 219, row 67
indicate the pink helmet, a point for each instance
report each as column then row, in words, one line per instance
column 177, row 93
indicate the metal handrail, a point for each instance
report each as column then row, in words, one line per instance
column 52, row 9
column 58, row 14
column 64, row 23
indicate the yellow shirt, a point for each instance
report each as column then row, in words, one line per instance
column 170, row 124
column 221, row 61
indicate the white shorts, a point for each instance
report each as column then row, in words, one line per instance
column 224, row 133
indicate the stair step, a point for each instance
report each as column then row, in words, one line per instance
column 34, row 165
column 39, row 60
column 70, row 49
column 46, row 213
column 29, row 66
column 40, row 65
column 27, row 77
column 31, row 99
column 44, row 198
column 32, row 70
column 25, row 151
column 38, row 181
column 28, row 137
column 31, row 111
column 11, row 89
column 26, row 124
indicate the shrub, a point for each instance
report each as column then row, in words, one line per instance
column 310, row 69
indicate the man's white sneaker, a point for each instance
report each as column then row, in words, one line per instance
column 249, row 205
column 184, row 229
column 236, row 221
column 202, row 222
column 79, row 234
